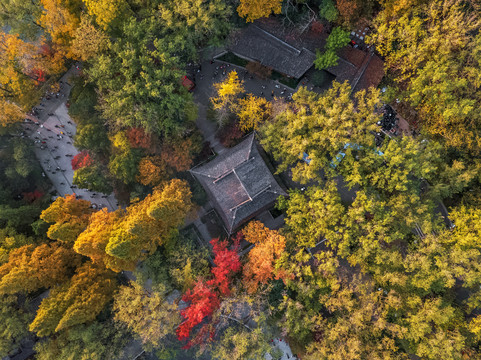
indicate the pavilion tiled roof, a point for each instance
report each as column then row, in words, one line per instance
column 259, row 45
column 239, row 183
column 362, row 69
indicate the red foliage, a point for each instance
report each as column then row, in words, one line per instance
column 230, row 134
column 226, row 263
column 32, row 196
column 82, row 159
column 203, row 298
column 139, row 139
column 39, row 75
column 317, row 26
column 205, row 334
column 45, row 49
column 203, row 301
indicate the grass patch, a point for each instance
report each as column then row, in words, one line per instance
column 236, row 60
column 321, row 78
column 233, row 59
column 290, row 82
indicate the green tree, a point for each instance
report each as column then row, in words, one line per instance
column 325, row 59
column 95, row 341
column 20, row 217
column 328, row 10
column 21, row 17
column 147, row 313
column 139, row 80
column 92, row 136
column 125, row 165
column 92, row 178
column 198, row 22
column 322, row 127
column 14, row 321
column 336, row 40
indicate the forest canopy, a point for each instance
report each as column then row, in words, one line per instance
column 374, row 249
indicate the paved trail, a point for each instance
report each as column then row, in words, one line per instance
column 53, row 138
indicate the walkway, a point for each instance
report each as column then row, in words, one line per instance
column 53, row 139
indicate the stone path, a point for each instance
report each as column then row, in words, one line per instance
column 53, row 139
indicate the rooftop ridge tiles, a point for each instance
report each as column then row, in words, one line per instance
column 268, row 34
column 240, row 182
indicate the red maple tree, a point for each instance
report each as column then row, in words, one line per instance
column 203, row 301
column 204, row 298
column 82, row 159
column 226, row 264
column 39, row 76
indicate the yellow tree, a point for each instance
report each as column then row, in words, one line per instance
column 88, row 41
column 106, row 11
column 30, row 268
column 151, row 170
column 269, row 246
column 146, row 313
column 122, row 238
column 18, row 61
column 252, row 111
column 10, row 113
column 69, row 217
column 227, row 93
column 60, row 18
column 94, row 239
column 255, row 9
column 77, row 302
column 150, row 222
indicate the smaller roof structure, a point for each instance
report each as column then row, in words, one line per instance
column 239, row 183
column 187, row 83
column 256, row 44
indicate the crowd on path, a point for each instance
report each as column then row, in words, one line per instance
column 51, row 129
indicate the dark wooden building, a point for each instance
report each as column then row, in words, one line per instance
column 239, row 183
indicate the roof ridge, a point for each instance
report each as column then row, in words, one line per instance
column 240, row 182
column 250, row 147
column 202, row 174
column 262, row 191
column 292, row 48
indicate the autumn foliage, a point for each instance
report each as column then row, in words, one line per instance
column 269, row 245
column 138, row 138
column 204, row 297
column 30, row 268
column 226, row 263
column 69, row 217
column 203, row 301
column 255, row 9
column 230, row 134
column 76, row 302
column 32, row 196
column 82, row 159
column 151, row 170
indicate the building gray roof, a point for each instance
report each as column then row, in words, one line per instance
column 239, row 183
column 256, row 44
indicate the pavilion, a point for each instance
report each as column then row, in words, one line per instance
column 239, row 183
